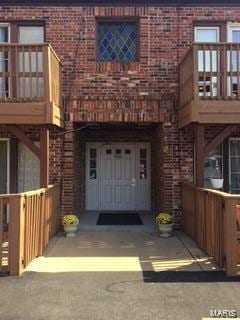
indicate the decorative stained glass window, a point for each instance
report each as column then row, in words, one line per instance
column 117, row 41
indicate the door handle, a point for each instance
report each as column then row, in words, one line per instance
column 133, row 182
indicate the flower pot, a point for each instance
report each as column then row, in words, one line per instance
column 70, row 230
column 217, row 183
column 238, row 253
column 238, row 215
column 165, row 230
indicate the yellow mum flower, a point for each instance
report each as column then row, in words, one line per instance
column 164, row 218
column 69, row 219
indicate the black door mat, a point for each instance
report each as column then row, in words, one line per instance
column 119, row 219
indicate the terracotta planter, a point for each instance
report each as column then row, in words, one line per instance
column 70, row 230
column 217, row 183
column 165, row 230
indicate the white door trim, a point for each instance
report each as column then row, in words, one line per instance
column 92, row 186
column 8, row 162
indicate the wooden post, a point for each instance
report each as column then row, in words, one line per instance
column 195, row 72
column 13, row 165
column 226, row 165
column 199, row 156
column 1, row 231
column 16, row 131
column 47, row 74
column 16, row 235
column 44, row 157
column 230, row 237
column 42, row 224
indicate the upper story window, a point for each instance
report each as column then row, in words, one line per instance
column 30, row 34
column 4, row 33
column 117, row 41
column 233, row 32
column 29, row 82
column 206, row 34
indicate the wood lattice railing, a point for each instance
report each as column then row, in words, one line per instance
column 27, row 222
column 210, row 71
column 210, row 220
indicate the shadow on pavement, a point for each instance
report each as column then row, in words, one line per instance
column 187, row 276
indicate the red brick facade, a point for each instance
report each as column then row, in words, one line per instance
column 130, row 94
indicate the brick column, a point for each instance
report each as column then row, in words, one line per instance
column 68, row 167
column 168, row 193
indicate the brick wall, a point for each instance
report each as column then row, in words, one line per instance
column 142, row 91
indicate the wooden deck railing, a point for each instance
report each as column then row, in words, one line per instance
column 29, row 73
column 210, row 71
column 210, row 220
column 32, row 222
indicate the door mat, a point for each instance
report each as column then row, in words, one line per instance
column 119, row 219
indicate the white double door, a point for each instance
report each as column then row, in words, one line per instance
column 118, row 177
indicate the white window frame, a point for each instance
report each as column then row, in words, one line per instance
column 2, row 25
column 231, row 27
column 9, row 41
column 196, row 28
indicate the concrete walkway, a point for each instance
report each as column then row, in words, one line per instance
column 122, row 252
column 107, row 276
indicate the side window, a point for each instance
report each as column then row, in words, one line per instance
column 92, row 164
column 143, row 164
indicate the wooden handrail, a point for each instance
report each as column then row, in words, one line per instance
column 217, row 192
column 210, row 220
column 33, row 220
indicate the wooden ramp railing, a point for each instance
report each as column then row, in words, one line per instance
column 210, row 220
column 32, row 221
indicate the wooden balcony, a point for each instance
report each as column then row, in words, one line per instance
column 30, row 85
column 209, row 84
